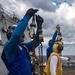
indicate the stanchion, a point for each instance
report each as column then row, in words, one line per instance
column 32, row 35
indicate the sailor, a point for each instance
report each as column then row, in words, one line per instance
column 51, row 42
column 54, row 63
column 15, row 54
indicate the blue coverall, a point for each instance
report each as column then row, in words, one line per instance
column 15, row 54
column 49, row 50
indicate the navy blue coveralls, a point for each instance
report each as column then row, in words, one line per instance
column 49, row 50
column 15, row 55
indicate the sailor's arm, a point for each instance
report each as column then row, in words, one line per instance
column 55, row 34
column 65, row 58
column 10, row 47
column 53, row 65
column 49, row 49
column 39, row 20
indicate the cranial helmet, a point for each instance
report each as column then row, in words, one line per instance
column 58, row 46
column 10, row 31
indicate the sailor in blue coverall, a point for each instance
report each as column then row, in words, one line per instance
column 15, row 54
column 49, row 50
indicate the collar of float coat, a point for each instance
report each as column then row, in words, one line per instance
column 55, row 46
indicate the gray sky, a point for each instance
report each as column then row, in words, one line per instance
column 60, row 12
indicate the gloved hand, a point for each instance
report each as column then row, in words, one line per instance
column 58, row 28
column 39, row 20
column 69, row 58
column 31, row 12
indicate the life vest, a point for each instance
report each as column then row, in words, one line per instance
column 21, row 64
column 59, row 65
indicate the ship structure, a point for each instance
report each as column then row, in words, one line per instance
column 6, row 20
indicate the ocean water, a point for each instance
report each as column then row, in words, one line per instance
column 69, row 49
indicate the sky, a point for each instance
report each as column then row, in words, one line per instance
column 54, row 12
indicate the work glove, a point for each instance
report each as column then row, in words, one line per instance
column 39, row 20
column 69, row 58
column 58, row 28
column 31, row 12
